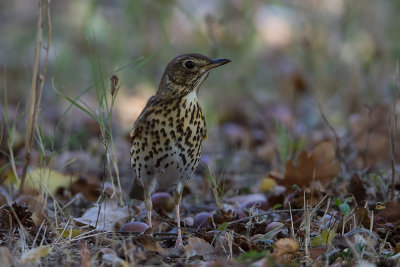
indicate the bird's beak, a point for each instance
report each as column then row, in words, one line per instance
column 216, row 63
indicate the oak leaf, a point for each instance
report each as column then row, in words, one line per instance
column 320, row 166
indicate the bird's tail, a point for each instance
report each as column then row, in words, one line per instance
column 136, row 191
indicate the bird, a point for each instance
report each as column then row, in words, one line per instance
column 167, row 136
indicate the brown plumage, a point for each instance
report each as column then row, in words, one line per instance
column 167, row 136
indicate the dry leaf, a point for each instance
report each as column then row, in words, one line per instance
column 109, row 258
column 36, row 206
column 11, row 216
column 267, row 185
column 357, row 188
column 34, row 255
column 199, row 247
column 69, row 233
column 320, row 166
column 49, row 180
column 317, row 251
column 6, row 259
column 85, row 255
column 285, row 250
column 324, row 238
column 149, row 243
column 391, row 212
column 111, row 216
column 370, row 135
column 89, row 186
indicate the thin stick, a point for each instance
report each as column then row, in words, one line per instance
column 35, row 93
column 291, row 221
column 393, row 132
column 263, row 214
column 337, row 139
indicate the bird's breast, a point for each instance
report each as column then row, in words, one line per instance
column 168, row 146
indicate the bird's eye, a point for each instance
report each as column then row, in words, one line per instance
column 189, row 64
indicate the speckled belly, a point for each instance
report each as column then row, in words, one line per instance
column 169, row 147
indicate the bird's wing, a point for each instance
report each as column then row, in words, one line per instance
column 141, row 120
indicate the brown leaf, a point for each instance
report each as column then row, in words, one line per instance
column 36, row 206
column 12, row 215
column 199, row 247
column 285, row 250
column 357, row 188
column 149, row 243
column 370, row 135
column 320, row 166
column 391, row 212
column 89, row 186
column 85, row 255
column 315, row 252
column 6, row 259
column 362, row 217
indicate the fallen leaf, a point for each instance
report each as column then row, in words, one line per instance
column 267, row 185
column 36, row 206
column 34, row 255
column 111, row 216
column 149, row 243
column 69, row 233
column 12, row 215
column 391, row 212
column 89, row 186
column 199, row 247
column 357, row 188
column 6, row 259
column 317, row 251
column 370, row 135
column 324, row 238
column 109, row 258
column 360, row 239
column 285, row 250
column 320, row 166
column 48, row 180
column 85, row 255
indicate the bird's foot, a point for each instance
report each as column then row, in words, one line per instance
column 179, row 243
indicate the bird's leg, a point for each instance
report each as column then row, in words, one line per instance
column 177, row 200
column 149, row 206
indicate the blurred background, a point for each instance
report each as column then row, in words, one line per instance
column 291, row 61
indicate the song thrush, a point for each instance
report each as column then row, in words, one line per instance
column 166, row 137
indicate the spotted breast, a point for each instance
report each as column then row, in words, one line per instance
column 166, row 142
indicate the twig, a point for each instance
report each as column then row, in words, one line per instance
column 393, row 132
column 263, row 214
column 36, row 92
column 337, row 139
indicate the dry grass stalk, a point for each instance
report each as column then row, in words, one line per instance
column 36, row 88
column 392, row 139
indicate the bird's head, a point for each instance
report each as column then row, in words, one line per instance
column 186, row 73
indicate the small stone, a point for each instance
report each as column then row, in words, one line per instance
column 137, row 227
column 203, row 219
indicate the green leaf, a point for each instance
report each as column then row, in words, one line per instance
column 296, row 187
column 338, row 202
column 348, row 199
column 276, row 206
column 252, row 255
column 345, row 209
column 223, row 226
column 324, row 238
